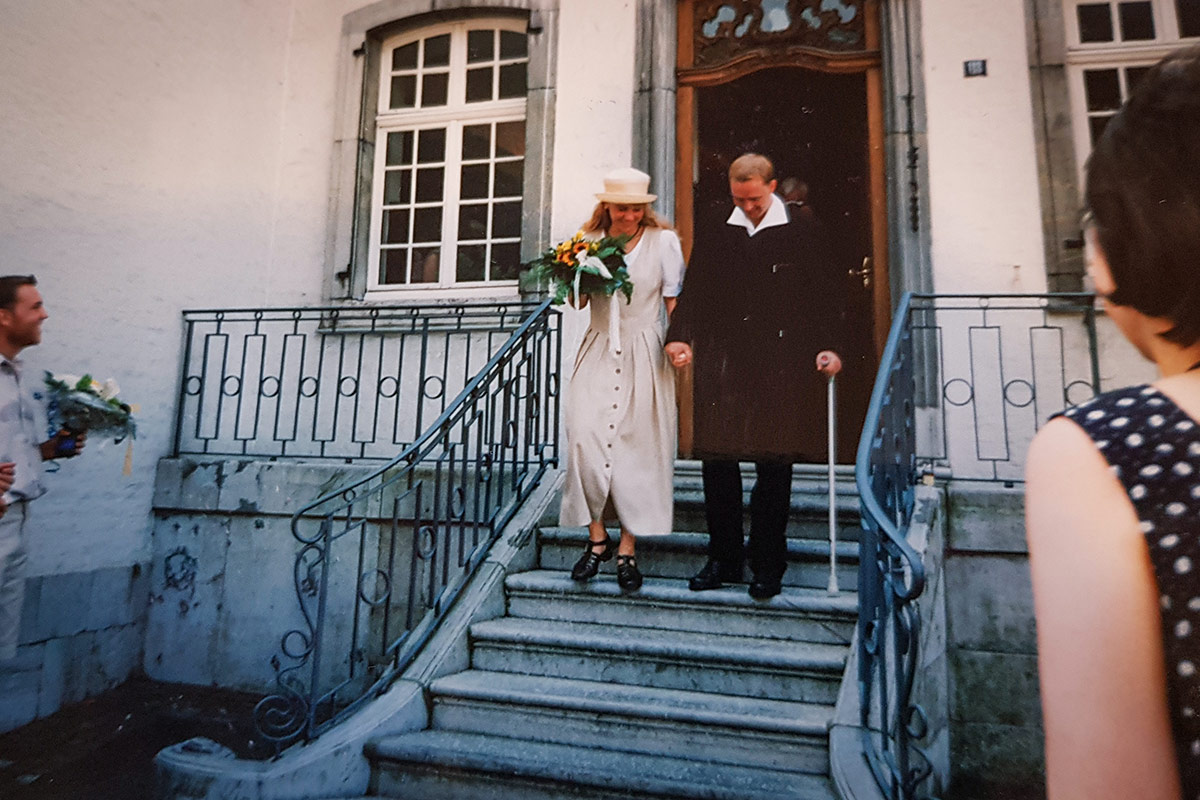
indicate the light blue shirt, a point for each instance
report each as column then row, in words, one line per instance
column 22, row 430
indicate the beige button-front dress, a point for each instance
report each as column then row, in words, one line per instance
column 620, row 407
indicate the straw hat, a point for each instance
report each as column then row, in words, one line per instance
column 626, row 185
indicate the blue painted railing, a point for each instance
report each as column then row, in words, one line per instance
column 381, row 559
column 963, row 384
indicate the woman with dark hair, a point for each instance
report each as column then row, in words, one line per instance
column 620, row 404
column 1113, row 485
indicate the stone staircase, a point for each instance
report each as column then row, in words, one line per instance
column 583, row 691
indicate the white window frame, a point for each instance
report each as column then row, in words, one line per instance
column 1119, row 55
column 453, row 116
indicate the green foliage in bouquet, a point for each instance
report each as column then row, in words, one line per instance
column 597, row 265
column 84, row 405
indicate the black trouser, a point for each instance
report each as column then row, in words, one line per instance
column 769, row 503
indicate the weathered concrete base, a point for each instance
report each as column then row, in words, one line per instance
column 996, row 741
column 334, row 764
column 222, row 588
column 81, row 634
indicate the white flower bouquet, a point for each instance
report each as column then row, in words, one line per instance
column 84, row 405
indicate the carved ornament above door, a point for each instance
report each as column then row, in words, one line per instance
column 730, row 38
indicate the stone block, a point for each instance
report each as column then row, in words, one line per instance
column 258, row 603
column 168, row 483
column 109, row 601
column 118, row 652
column 275, row 487
column 931, row 607
column 137, row 594
column 931, row 692
column 986, row 517
column 996, row 761
column 19, row 686
column 186, row 588
column 29, row 611
column 63, row 604
column 989, row 603
column 199, row 485
column 54, row 677
column 996, row 688
column 82, row 665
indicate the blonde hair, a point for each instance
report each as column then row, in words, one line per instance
column 601, row 220
column 749, row 166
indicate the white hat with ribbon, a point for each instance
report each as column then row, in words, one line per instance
column 626, row 185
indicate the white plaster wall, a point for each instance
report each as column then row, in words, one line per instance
column 155, row 157
column 985, row 220
column 593, row 119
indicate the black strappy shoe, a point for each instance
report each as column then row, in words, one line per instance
column 589, row 563
column 628, row 576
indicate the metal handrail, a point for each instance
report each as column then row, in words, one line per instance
column 423, row 523
column 914, row 374
column 891, row 577
column 871, row 507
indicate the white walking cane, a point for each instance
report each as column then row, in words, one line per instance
column 832, row 401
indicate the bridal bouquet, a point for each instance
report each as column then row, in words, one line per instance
column 583, row 266
column 84, row 405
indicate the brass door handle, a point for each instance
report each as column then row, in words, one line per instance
column 864, row 273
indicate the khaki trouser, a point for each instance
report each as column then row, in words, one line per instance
column 12, row 577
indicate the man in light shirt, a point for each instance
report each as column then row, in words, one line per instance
column 22, row 448
column 761, row 316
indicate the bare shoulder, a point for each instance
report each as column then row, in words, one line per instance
column 1070, row 488
column 1061, row 444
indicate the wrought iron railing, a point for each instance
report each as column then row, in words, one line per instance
column 346, row 382
column 963, row 384
column 381, row 559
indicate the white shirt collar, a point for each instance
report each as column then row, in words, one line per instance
column 776, row 215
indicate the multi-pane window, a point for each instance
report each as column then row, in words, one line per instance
column 450, row 156
column 1110, row 46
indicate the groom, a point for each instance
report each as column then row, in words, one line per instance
column 761, row 306
column 22, row 449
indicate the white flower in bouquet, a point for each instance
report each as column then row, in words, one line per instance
column 85, row 405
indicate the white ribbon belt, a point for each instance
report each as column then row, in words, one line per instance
column 614, row 313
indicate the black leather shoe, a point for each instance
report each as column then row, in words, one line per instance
column 589, row 563
column 764, row 588
column 629, row 577
column 714, row 575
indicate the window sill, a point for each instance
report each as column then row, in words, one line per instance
column 507, row 292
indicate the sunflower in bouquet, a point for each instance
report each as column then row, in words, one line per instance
column 580, row 266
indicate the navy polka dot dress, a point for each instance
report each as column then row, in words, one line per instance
column 1153, row 448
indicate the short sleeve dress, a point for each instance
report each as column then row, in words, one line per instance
column 621, row 418
column 1153, row 448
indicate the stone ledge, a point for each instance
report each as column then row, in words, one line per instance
column 985, row 517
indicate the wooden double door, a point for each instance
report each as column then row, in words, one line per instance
column 798, row 81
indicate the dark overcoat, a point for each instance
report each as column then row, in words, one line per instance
column 756, row 310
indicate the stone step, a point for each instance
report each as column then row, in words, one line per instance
column 773, row 734
column 443, row 765
column 681, row 555
column 810, row 615
column 809, row 500
column 807, row 479
column 702, row 662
